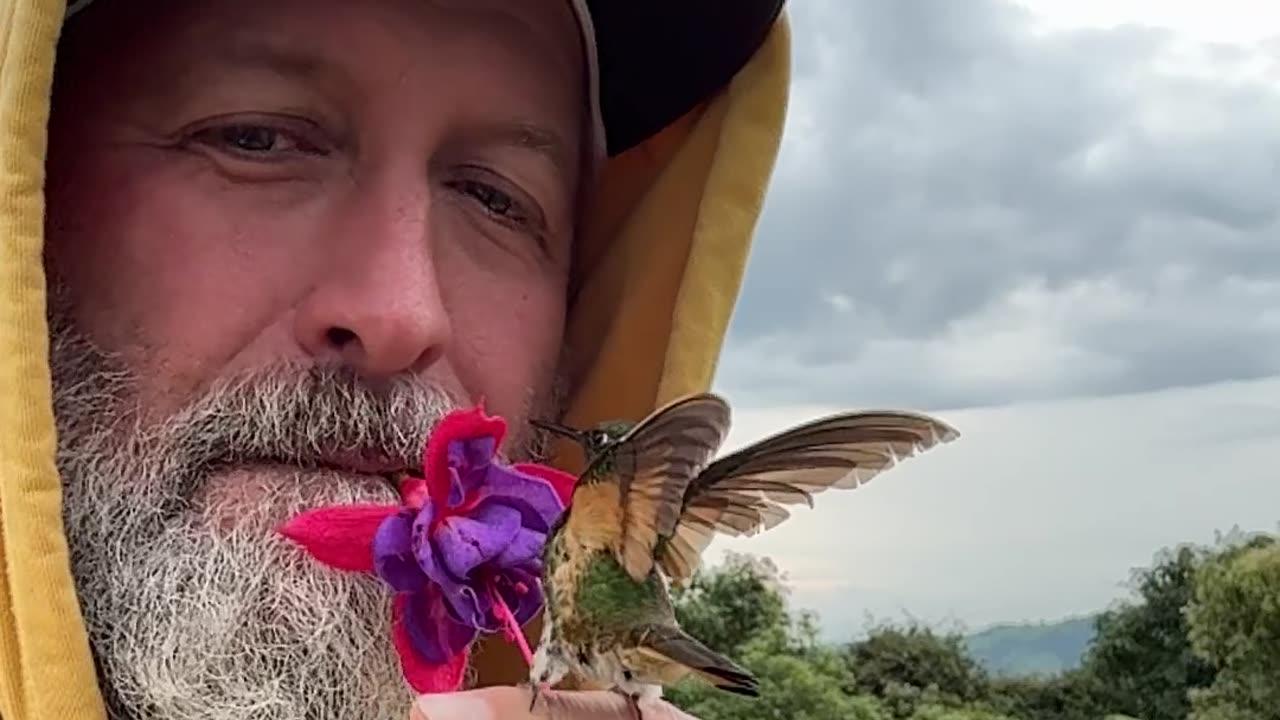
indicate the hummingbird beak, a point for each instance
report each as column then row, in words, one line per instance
column 558, row 429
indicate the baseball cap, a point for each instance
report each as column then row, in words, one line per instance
column 658, row 59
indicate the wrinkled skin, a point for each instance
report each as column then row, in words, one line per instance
column 286, row 233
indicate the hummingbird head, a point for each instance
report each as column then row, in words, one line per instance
column 595, row 441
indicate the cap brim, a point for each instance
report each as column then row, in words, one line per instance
column 658, row 59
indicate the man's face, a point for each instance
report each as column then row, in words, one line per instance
column 285, row 235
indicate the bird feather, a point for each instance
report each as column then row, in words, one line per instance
column 655, row 462
column 745, row 492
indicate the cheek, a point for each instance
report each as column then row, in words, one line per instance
column 507, row 334
column 166, row 272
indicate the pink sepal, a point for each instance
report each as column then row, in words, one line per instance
column 414, row 491
column 340, row 537
column 561, row 481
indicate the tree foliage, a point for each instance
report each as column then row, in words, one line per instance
column 740, row 609
column 917, row 658
column 1141, row 657
column 1200, row 640
column 742, row 598
column 1234, row 619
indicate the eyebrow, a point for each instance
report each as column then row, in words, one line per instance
column 258, row 54
column 530, row 136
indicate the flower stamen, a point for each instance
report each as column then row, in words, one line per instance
column 508, row 620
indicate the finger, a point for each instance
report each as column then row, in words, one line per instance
column 512, row 703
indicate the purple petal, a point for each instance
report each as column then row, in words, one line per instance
column 464, row 604
column 455, row 489
column 469, row 604
column 435, row 636
column 393, row 556
column 427, row 553
column 532, row 497
column 524, row 548
column 464, row 543
column 460, row 599
column 468, row 459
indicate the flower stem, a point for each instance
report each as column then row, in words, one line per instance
column 514, row 632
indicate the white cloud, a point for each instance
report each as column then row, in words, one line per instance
column 839, row 302
column 1231, row 21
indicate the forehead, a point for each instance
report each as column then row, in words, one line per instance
column 391, row 42
column 502, row 71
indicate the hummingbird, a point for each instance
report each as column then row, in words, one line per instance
column 649, row 503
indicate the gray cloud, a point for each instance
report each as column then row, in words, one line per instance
column 970, row 212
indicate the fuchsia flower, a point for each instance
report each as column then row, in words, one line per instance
column 463, row 552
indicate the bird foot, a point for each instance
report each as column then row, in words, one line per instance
column 633, row 702
column 536, row 691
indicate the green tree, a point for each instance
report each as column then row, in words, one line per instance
column 913, row 665
column 1071, row 695
column 944, row 712
column 790, row 687
column 1141, row 662
column 729, row 606
column 1141, row 659
column 740, row 608
column 1200, row 641
column 1234, row 620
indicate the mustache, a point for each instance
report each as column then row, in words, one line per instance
column 290, row 413
column 308, row 416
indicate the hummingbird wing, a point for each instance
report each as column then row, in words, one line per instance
column 655, row 462
column 747, row 491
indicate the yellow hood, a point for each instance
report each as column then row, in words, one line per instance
column 663, row 261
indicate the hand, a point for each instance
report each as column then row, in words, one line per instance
column 512, row 703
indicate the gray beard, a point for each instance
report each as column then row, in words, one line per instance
column 190, row 616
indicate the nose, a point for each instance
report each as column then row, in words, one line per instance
column 377, row 306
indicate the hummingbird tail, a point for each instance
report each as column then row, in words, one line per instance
column 677, row 646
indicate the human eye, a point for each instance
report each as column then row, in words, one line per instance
column 500, row 201
column 259, row 140
column 494, row 200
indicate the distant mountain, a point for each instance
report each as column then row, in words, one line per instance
column 1032, row 648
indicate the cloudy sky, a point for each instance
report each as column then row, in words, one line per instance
column 1055, row 224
